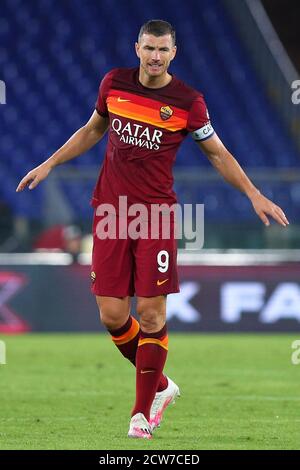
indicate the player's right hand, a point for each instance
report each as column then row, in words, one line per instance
column 34, row 177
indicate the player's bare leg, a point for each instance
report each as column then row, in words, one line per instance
column 114, row 311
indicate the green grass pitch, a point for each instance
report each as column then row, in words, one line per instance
column 75, row 391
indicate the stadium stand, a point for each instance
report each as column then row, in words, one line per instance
column 52, row 63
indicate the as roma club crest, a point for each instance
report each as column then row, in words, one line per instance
column 165, row 112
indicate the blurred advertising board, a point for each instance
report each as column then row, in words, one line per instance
column 230, row 297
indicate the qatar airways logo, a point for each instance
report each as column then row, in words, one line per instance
column 137, row 135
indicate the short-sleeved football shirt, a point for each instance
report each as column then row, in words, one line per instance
column 146, row 127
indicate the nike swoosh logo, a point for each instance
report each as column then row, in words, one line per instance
column 159, row 283
column 146, row 371
column 121, row 100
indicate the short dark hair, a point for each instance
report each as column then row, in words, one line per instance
column 158, row 28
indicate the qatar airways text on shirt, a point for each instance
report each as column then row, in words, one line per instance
column 137, row 134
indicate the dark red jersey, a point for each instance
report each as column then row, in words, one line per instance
column 146, row 127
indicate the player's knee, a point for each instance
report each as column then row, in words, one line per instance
column 111, row 316
column 151, row 319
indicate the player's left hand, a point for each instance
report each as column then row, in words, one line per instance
column 263, row 207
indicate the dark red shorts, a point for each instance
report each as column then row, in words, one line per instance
column 125, row 266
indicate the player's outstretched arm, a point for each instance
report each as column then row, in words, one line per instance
column 84, row 139
column 232, row 172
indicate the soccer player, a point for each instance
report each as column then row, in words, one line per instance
column 148, row 112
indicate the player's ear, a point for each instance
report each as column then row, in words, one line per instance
column 174, row 50
column 137, row 48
